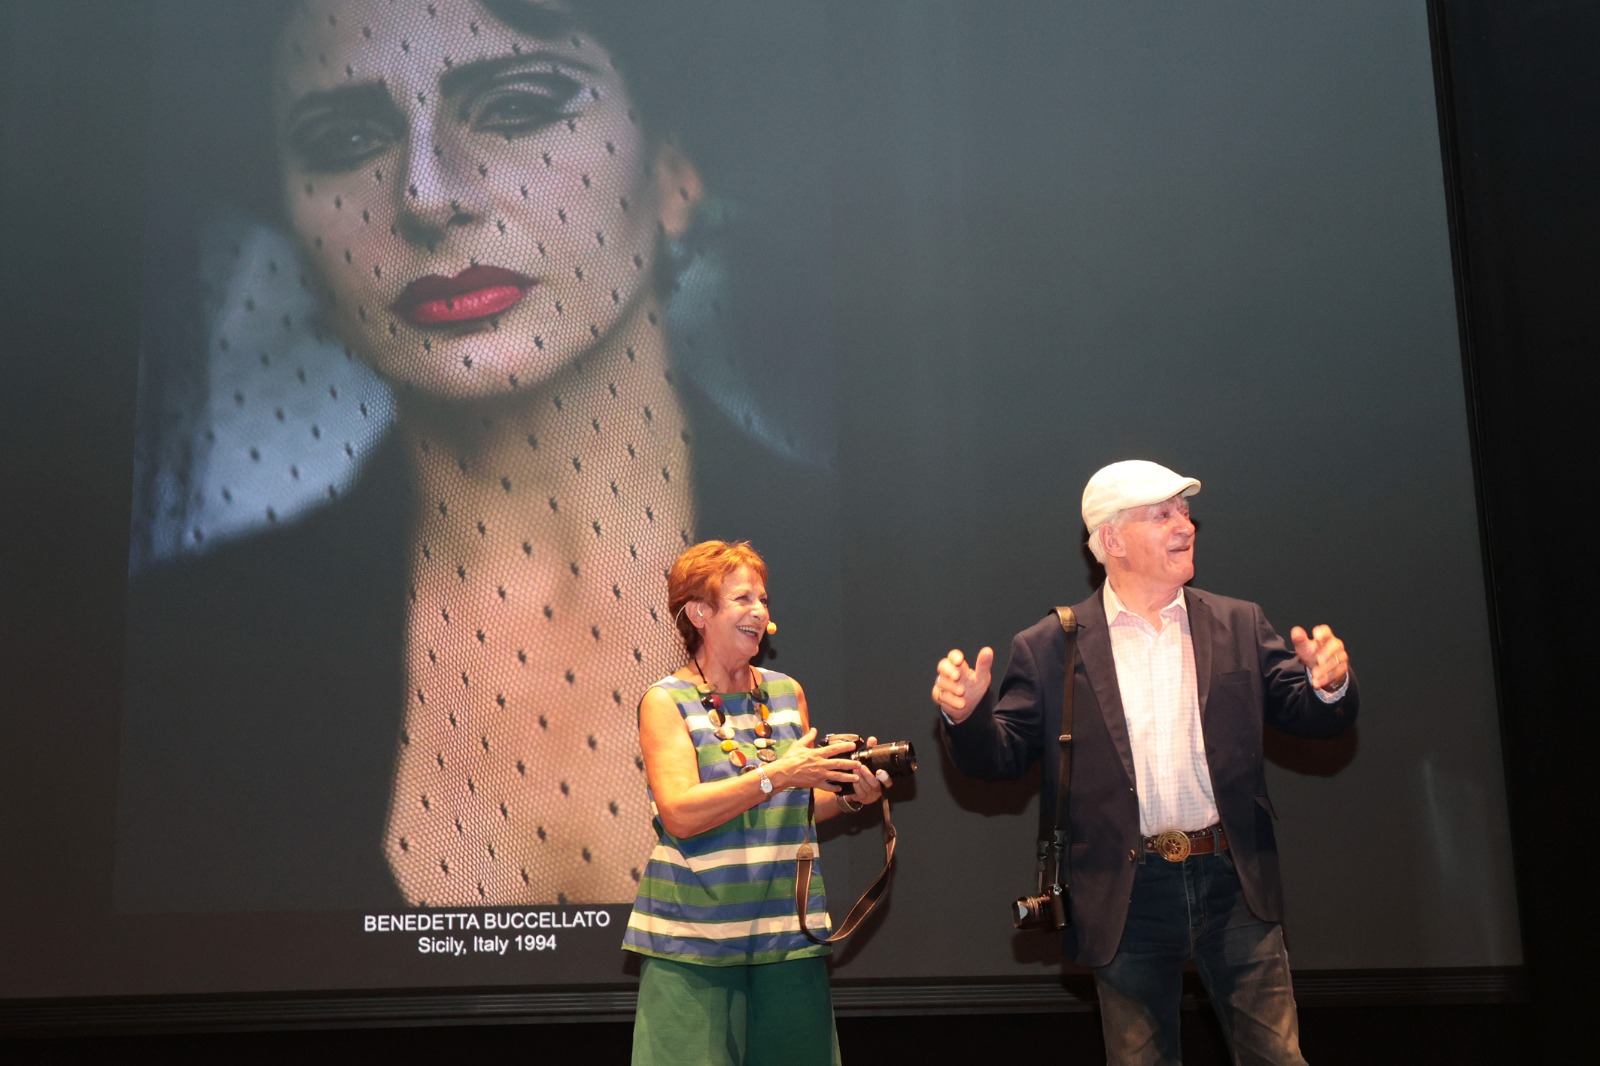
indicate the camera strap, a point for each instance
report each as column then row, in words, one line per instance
column 807, row 855
column 1053, row 834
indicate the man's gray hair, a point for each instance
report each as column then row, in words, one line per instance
column 1096, row 548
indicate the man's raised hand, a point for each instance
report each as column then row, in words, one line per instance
column 1323, row 654
column 958, row 686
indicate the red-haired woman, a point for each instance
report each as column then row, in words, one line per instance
column 737, row 783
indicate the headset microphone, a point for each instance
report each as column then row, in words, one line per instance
column 772, row 627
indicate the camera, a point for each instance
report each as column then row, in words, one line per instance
column 1049, row 908
column 1046, row 911
column 896, row 757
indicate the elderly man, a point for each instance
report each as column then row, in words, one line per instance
column 1171, row 853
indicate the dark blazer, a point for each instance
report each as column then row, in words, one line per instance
column 1246, row 675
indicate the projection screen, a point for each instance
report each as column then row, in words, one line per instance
column 457, row 320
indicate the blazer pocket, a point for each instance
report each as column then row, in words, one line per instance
column 1265, row 803
column 1236, row 677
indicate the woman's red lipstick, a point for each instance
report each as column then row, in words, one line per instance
column 476, row 292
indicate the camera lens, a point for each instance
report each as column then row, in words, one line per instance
column 1048, row 910
column 898, row 758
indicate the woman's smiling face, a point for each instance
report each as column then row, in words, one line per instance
column 736, row 626
column 477, row 196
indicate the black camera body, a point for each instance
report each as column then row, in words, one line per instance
column 896, row 757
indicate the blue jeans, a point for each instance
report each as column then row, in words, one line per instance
column 1195, row 910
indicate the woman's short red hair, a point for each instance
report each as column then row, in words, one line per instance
column 697, row 576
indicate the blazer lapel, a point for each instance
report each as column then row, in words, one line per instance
column 1094, row 647
column 1202, row 631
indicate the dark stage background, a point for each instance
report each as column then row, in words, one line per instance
column 958, row 237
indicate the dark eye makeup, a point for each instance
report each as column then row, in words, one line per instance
column 338, row 131
column 335, row 141
column 521, row 102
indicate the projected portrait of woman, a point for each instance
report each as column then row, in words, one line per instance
column 397, row 607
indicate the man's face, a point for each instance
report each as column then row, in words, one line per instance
column 1156, row 543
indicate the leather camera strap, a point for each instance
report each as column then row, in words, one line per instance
column 1052, row 835
column 869, row 899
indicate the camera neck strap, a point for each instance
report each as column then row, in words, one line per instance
column 807, row 855
column 1053, row 824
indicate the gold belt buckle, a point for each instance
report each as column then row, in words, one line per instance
column 1173, row 845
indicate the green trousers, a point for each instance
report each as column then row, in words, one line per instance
column 778, row 1014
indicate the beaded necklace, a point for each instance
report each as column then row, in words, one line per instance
column 712, row 702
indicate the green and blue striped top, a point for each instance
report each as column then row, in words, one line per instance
column 725, row 897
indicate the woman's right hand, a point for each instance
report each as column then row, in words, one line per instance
column 803, row 765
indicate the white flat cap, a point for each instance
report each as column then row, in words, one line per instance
column 1130, row 483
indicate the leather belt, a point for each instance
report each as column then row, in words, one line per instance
column 1175, row 845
